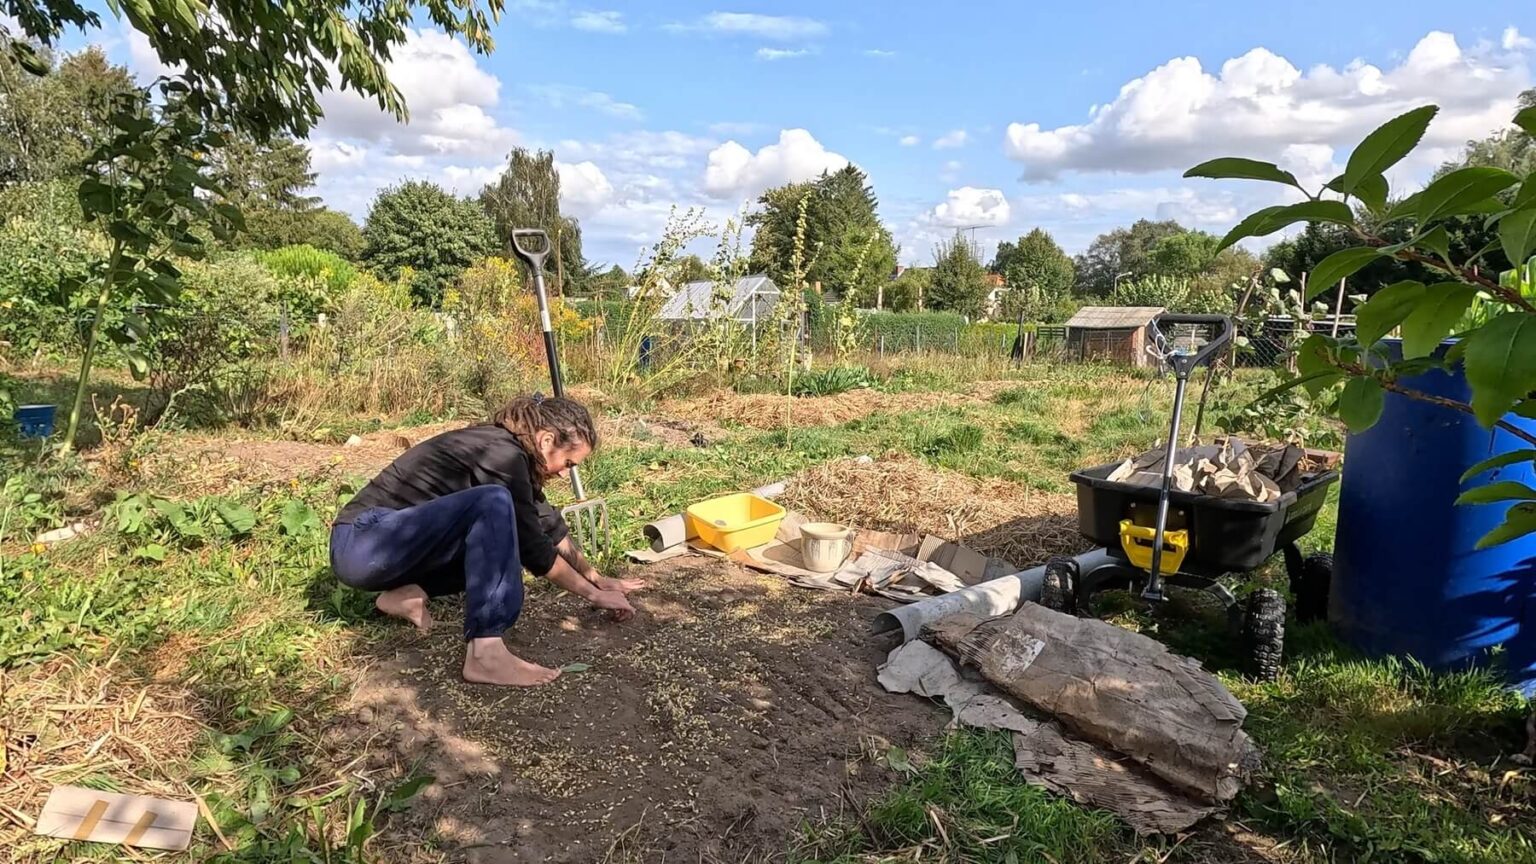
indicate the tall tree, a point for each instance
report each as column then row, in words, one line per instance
column 1510, row 150
column 419, row 226
column 1121, row 253
column 1299, row 255
column 959, row 280
column 264, row 176
column 50, row 123
column 907, row 291
column 1038, row 275
column 259, row 65
column 848, row 249
column 1183, row 254
column 319, row 227
column 690, row 268
column 256, row 66
column 527, row 195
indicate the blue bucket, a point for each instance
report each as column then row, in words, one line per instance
column 35, row 421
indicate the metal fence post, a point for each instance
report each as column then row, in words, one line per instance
column 282, row 331
column 882, row 346
column 919, row 338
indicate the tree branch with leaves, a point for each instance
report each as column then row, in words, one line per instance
column 1492, row 321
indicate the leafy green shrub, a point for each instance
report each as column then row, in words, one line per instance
column 987, row 338
column 305, row 260
column 904, row 330
column 53, row 203
column 309, row 281
column 225, row 320
column 35, row 312
column 1495, row 356
column 831, row 381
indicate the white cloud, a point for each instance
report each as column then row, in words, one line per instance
column 1180, row 203
column 779, row 28
column 1513, row 41
column 640, row 151
column 1259, row 104
column 969, row 206
column 782, row 53
column 453, row 138
column 879, row 53
column 735, row 171
column 950, row 173
column 952, row 140
column 468, row 180
column 142, row 57
column 560, row 96
column 330, row 155
column 600, row 22
column 740, row 128
column 910, row 141
column 447, row 93
column 584, row 188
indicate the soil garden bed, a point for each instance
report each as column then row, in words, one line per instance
column 731, row 711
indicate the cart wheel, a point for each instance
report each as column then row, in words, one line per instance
column 1264, row 633
column 1311, row 588
column 1059, row 590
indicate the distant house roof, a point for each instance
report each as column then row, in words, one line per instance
column 696, row 300
column 1114, row 317
column 995, row 280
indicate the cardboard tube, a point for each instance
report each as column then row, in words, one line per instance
column 990, row 599
column 663, row 534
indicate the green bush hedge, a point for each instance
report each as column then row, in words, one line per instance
column 936, row 331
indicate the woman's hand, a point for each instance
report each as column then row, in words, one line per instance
column 616, row 602
column 625, row 586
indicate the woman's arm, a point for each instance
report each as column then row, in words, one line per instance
column 565, row 576
column 571, row 554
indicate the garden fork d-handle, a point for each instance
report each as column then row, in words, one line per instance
column 1183, row 364
column 534, row 258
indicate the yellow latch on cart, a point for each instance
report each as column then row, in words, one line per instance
column 1138, row 540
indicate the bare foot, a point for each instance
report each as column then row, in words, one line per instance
column 408, row 602
column 487, row 661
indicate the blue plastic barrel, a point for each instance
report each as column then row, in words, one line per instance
column 35, row 421
column 1408, row 578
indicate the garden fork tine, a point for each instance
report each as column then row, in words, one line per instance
column 588, row 517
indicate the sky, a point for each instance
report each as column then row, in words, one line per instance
column 1077, row 117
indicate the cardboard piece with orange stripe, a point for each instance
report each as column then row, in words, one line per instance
column 74, row 813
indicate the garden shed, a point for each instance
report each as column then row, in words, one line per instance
column 750, row 300
column 1117, row 333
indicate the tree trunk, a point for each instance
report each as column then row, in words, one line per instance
column 90, row 355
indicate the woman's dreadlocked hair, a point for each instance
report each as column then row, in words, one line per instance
column 567, row 419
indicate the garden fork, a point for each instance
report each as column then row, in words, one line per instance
column 588, row 517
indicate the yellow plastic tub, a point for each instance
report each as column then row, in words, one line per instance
column 735, row 522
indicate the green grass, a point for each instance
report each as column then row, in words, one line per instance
column 964, row 802
column 1385, row 761
column 1367, row 760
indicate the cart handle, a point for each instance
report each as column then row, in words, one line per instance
column 1183, row 363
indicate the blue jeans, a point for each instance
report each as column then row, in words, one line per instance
column 466, row 541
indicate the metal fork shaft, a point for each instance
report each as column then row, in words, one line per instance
column 1154, row 589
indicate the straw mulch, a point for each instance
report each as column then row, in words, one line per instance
column 767, row 410
column 66, row 723
column 900, row 493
